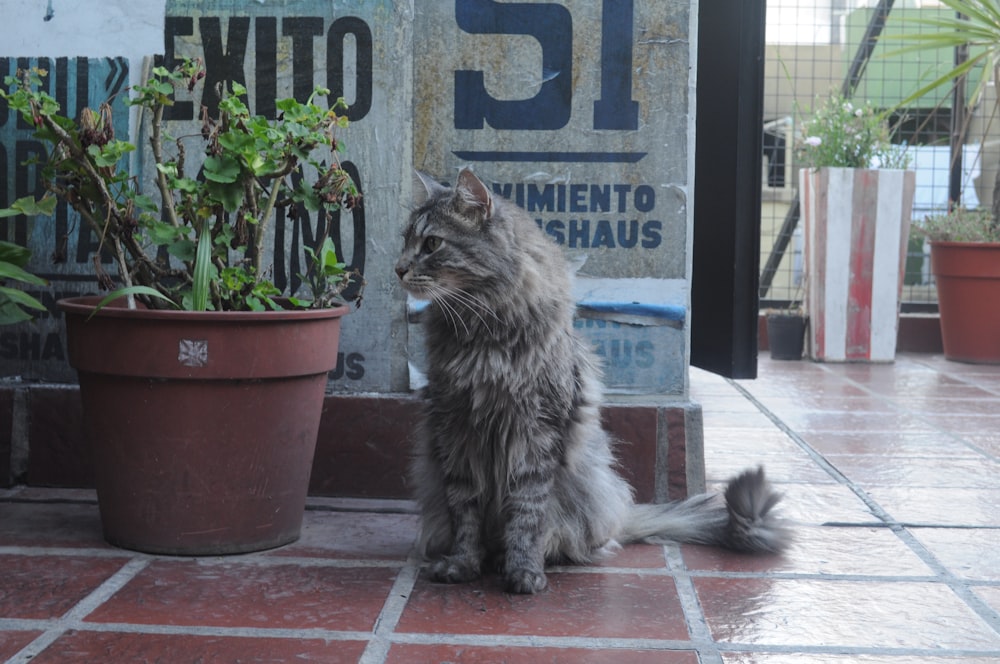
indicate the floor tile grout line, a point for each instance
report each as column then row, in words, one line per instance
column 63, row 551
column 106, row 590
column 884, row 651
column 37, row 646
column 380, row 642
column 255, row 559
column 694, row 615
column 823, row 576
column 537, row 641
column 81, row 609
column 289, row 561
column 769, row 574
column 294, row 633
column 626, row 643
column 958, row 586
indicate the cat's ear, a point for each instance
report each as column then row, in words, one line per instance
column 424, row 187
column 475, row 193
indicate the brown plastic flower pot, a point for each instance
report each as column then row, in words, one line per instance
column 968, row 287
column 202, row 425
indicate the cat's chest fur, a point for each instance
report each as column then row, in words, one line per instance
column 501, row 389
column 511, row 354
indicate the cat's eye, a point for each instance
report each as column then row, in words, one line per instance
column 431, row 244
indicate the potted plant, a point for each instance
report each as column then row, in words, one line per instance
column 965, row 243
column 965, row 262
column 856, row 197
column 202, row 387
column 786, row 330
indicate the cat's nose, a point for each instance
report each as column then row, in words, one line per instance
column 401, row 271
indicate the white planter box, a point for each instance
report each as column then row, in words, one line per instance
column 857, row 223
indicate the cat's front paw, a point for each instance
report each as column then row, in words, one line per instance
column 454, row 569
column 525, row 581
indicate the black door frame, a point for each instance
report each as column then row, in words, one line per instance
column 727, row 185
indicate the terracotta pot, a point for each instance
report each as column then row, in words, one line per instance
column 968, row 287
column 786, row 335
column 202, row 424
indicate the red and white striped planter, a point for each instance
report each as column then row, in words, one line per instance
column 857, row 224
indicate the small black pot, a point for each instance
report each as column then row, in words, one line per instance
column 786, row 335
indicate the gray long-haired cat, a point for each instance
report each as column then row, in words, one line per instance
column 512, row 467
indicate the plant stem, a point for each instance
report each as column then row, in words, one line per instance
column 123, row 269
column 156, row 143
column 109, row 202
column 265, row 218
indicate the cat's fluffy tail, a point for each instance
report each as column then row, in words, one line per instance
column 741, row 519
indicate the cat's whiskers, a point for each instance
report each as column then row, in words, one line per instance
column 474, row 304
column 440, row 294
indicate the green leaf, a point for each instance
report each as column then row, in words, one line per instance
column 223, row 168
column 30, row 207
column 168, row 168
column 257, row 164
column 161, row 87
column 307, row 196
column 328, row 254
column 185, row 185
column 10, row 313
column 237, row 141
column 129, row 290
column 233, row 106
column 160, row 232
column 229, row 194
column 14, row 253
column 144, row 202
column 21, row 298
column 11, row 271
column 182, row 249
column 286, row 105
column 202, row 270
column 225, row 236
column 109, row 155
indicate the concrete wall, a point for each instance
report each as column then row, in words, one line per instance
column 580, row 111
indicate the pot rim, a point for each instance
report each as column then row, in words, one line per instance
column 971, row 245
column 84, row 305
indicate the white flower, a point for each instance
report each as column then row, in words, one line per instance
column 858, row 113
column 813, row 141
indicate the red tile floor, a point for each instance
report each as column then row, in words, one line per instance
column 892, row 473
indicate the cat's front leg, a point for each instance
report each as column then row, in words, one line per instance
column 464, row 563
column 524, row 568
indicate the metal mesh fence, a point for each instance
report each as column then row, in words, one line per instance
column 811, row 46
